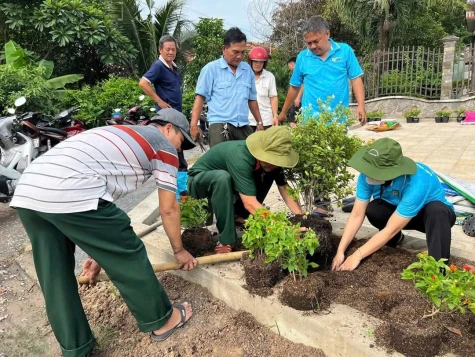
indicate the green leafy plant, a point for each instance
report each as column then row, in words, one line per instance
column 324, row 148
column 376, row 114
column 447, row 287
column 193, row 212
column 274, row 235
column 443, row 113
column 460, row 112
column 411, row 113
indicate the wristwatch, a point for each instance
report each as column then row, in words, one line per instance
column 259, row 123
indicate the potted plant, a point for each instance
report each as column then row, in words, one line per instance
column 374, row 116
column 412, row 115
column 196, row 237
column 460, row 112
column 442, row 116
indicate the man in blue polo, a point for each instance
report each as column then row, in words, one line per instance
column 405, row 195
column 325, row 69
column 228, row 86
column 166, row 80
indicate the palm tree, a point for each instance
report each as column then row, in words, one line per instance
column 376, row 20
column 145, row 32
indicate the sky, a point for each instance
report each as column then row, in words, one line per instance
column 234, row 12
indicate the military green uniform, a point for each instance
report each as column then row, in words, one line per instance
column 225, row 169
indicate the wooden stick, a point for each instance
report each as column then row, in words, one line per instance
column 149, row 229
column 209, row 259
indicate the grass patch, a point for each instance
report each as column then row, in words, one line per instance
column 105, row 337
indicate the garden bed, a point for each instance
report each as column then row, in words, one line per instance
column 214, row 330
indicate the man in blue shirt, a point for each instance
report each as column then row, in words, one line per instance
column 325, row 68
column 406, row 195
column 164, row 76
column 228, row 86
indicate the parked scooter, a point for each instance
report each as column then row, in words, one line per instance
column 135, row 115
column 17, row 149
column 203, row 124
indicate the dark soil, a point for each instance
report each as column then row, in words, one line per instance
column 376, row 288
column 305, row 294
column 198, row 241
column 323, row 229
column 260, row 276
column 214, row 329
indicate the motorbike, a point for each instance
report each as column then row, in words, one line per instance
column 203, row 124
column 17, row 149
column 136, row 115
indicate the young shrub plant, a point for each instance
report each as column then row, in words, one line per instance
column 449, row 288
column 281, row 241
column 193, row 212
column 324, row 148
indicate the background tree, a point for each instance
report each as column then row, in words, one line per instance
column 51, row 28
column 144, row 32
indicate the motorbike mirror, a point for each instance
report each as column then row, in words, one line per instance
column 142, row 97
column 153, row 109
column 20, row 101
column 117, row 110
column 11, row 110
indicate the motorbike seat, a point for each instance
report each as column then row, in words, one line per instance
column 55, row 131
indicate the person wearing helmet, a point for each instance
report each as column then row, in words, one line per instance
column 405, row 195
column 265, row 87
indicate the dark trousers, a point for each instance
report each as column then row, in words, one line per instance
column 435, row 220
column 107, row 236
column 254, row 128
column 292, row 113
column 182, row 164
column 217, row 136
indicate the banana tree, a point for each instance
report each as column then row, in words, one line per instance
column 17, row 57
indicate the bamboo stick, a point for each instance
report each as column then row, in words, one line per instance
column 209, row 259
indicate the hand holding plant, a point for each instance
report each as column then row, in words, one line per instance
column 447, row 287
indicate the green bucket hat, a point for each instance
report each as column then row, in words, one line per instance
column 383, row 160
column 273, row 146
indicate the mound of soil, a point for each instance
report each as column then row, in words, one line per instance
column 323, row 229
column 260, row 276
column 214, row 329
column 305, row 294
column 376, row 288
column 198, row 241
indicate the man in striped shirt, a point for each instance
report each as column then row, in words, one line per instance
column 65, row 198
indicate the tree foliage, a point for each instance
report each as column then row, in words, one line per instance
column 206, row 48
column 51, row 26
column 145, row 33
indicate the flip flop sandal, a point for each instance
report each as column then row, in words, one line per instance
column 223, row 248
column 162, row 337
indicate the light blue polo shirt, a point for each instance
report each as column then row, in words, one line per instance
column 328, row 77
column 410, row 193
column 226, row 93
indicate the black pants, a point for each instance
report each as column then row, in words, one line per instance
column 292, row 113
column 435, row 220
column 216, row 136
column 182, row 164
column 254, row 128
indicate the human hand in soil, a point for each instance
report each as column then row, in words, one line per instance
column 186, row 260
column 351, row 263
column 338, row 260
column 90, row 269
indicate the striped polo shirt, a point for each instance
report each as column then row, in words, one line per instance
column 106, row 163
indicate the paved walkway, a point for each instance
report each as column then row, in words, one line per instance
column 445, row 147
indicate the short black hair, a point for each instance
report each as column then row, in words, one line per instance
column 234, row 35
column 292, row 59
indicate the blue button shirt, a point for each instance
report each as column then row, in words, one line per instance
column 410, row 193
column 323, row 78
column 167, row 84
column 226, row 93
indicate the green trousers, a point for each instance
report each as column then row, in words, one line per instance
column 217, row 187
column 107, row 236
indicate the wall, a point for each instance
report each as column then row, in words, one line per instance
column 393, row 107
